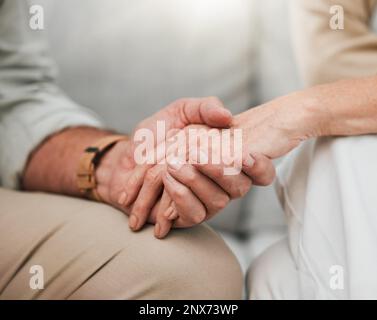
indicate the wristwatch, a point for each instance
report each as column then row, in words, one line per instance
column 88, row 163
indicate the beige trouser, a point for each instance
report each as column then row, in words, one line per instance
column 88, row 252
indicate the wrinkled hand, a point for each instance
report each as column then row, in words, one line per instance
column 119, row 179
column 268, row 133
column 190, row 198
column 270, row 129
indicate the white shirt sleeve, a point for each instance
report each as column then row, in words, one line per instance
column 32, row 107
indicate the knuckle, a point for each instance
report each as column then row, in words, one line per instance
column 264, row 173
column 113, row 195
column 198, row 217
column 263, row 166
column 257, row 171
column 180, row 101
column 180, row 193
column 240, row 189
column 152, row 176
column 190, row 177
column 131, row 183
column 234, row 194
column 221, row 202
column 263, row 180
column 138, row 210
column 267, row 180
column 216, row 171
column 235, row 191
column 245, row 187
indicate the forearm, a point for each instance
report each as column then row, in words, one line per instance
column 344, row 108
column 52, row 166
column 32, row 106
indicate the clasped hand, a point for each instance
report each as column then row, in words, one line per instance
column 182, row 192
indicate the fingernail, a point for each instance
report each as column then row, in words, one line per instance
column 122, row 198
column 249, row 161
column 168, row 212
column 173, row 215
column 175, row 163
column 157, row 230
column 226, row 112
column 132, row 222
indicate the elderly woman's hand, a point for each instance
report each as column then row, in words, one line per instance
column 275, row 128
column 272, row 130
column 195, row 189
column 269, row 131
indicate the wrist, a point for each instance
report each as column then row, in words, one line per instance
column 52, row 166
column 119, row 157
column 88, row 165
column 300, row 115
column 277, row 127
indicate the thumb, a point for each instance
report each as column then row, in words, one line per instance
column 215, row 116
column 209, row 111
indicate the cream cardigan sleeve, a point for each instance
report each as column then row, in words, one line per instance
column 31, row 106
column 327, row 55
